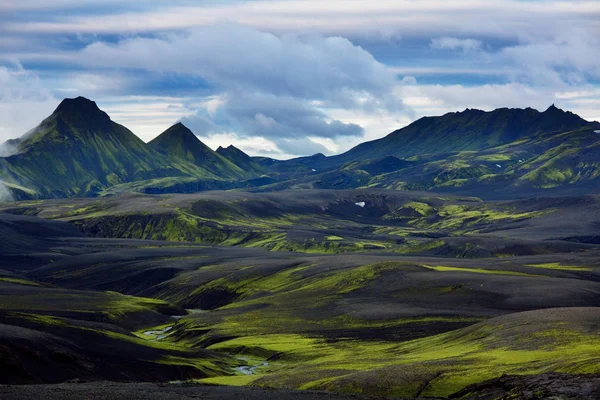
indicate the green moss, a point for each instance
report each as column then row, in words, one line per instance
column 559, row 267
column 19, row 281
column 334, row 238
column 441, row 268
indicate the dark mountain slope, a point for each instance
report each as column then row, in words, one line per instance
column 79, row 150
column 241, row 159
column 459, row 131
column 179, row 141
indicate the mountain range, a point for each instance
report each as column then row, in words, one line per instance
column 79, row 151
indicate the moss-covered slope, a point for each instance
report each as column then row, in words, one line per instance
column 180, row 142
column 79, row 150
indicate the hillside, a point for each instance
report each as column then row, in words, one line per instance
column 373, row 321
column 178, row 141
column 241, row 159
column 555, row 162
column 79, row 150
column 470, row 130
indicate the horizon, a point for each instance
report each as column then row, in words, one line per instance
column 8, row 153
column 285, row 78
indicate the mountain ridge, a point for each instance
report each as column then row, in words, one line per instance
column 79, row 151
column 467, row 130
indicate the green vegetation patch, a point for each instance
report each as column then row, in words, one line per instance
column 442, row 268
column 19, row 281
column 559, row 267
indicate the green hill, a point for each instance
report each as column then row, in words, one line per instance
column 178, row 141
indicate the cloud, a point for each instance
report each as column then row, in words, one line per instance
column 440, row 99
column 500, row 18
column 286, row 121
column 300, row 146
column 452, row 43
column 7, row 149
column 5, row 193
column 565, row 59
column 275, row 87
column 244, row 59
column 284, row 117
column 24, row 101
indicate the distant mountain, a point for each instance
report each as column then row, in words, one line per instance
column 79, row 150
column 469, row 130
column 241, row 159
column 179, row 141
column 564, row 162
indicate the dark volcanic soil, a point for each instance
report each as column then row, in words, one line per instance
column 545, row 386
column 150, row 391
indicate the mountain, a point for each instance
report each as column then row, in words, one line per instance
column 241, row 159
column 555, row 163
column 179, row 141
column 79, row 150
column 503, row 153
column 469, row 130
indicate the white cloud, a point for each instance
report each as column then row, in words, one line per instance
column 565, row 59
column 278, row 87
column 257, row 146
column 24, row 101
column 440, row 99
column 452, row 43
column 501, row 18
column 245, row 59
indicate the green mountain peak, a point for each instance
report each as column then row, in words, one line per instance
column 179, row 141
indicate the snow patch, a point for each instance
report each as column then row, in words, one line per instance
column 361, row 204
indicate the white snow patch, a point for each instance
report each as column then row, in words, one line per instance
column 361, row 204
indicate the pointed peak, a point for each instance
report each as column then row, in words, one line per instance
column 178, row 129
column 552, row 108
column 180, row 125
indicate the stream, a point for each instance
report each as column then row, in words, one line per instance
column 249, row 369
column 160, row 334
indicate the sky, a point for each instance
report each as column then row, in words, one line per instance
column 285, row 78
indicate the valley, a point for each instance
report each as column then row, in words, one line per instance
column 462, row 265
column 410, row 295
